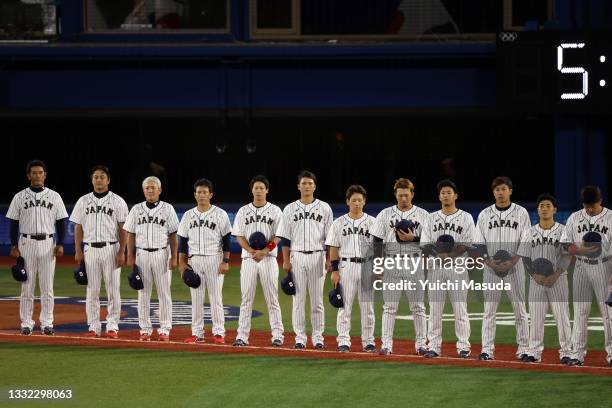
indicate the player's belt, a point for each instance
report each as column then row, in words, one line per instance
column 357, row 260
column 152, row 249
column 309, row 252
column 100, row 244
column 37, row 237
column 595, row 261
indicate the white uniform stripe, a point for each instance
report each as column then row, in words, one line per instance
column 154, row 268
column 208, row 269
column 309, row 278
column 100, row 263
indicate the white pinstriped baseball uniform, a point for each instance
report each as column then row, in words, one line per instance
column 152, row 225
column 459, row 225
column 37, row 214
column 590, row 275
column 384, row 228
column 538, row 242
column 264, row 219
column 352, row 238
column 306, row 226
column 100, row 219
column 503, row 230
column 205, row 232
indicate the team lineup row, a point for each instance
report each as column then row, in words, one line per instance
column 150, row 235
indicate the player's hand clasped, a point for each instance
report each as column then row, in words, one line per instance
column 405, row 236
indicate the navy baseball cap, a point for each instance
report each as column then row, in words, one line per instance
column 335, row 297
column 287, row 284
column 191, row 278
column 80, row 275
column 135, row 279
column 18, row 270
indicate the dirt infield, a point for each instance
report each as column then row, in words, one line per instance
column 260, row 345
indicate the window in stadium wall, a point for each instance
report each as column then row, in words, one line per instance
column 24, row 19
column 155, row 15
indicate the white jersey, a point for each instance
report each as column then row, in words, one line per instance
column 152, row 226
column 538, row 242
column 351, row 237
column 502, row 229
column 384, row 227
column 306, row 225
column 250, row 219
column 460, row 225
column 579, row 223
column 37, row 212
column 100, row 217
column 205, row 230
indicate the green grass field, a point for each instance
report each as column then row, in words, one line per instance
column 128, row 377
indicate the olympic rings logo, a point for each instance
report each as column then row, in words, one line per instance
column 508, row 36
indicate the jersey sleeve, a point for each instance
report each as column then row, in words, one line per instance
column 426, row 235
column 237, row 229
column 226, row 225
column 122, row 211
column 77, row 212
column 278, row 215
column 566, row 236
column 524, row 248
column 183, row 229
column 378, row 227
column 284, row 227
column 333, row 237
column 60, row 208
column 525, row 220
column 329, row 220
column 13, row 211
column 130, row 221
column 469, row 234
column 173, row 221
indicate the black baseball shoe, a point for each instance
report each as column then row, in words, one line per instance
column 421, row 351
column 277, row 342
column 319, row 346
column 26, row 331
column 344, row 349
column 565, row 360
column 370, row 348
column 574, row 362
column 464, row 353
column 530, row 359
column 48, row 331
column 239, row 343
column 299, row 346
column 484, row 357
column 522, row 356
column 431, row 354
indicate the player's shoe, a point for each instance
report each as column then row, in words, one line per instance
column 565, row 360
column 239, row 343
column 112, row 334
column 343, row 348
column 26, row 331
column 370, row 348
column 277, row 342
column 522, row 356
column 319, row 346
column 574, row 362
column 421, row 351
column 145, row 337
column 163, row 337
column 484, row 357
column 219, row 339
column 530, row 359
column 91, row 333
column 48, row 331
column 193, row 340
column 464, row 353
column 431, row 354
column 384, row 352
column 299, row 346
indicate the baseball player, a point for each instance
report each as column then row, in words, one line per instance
column 36, row 213
column 258, row 216
column 100, row 240
column 399, row 242
column 592, row 271
column 151, row 227
column 542, row 241
column 500, row 227
column 204, row 243
column 348, row 241
column 303, row 228
column 449, row 221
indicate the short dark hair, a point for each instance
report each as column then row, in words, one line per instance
column 547, row 197
column 590, row 195
column 101, row 168
column 355, row 189
column 35, row 163
column 403, row 183
column 498, row 181
column 306, row 174
column 446, row 183
column 261, row 179
column 203, row 183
